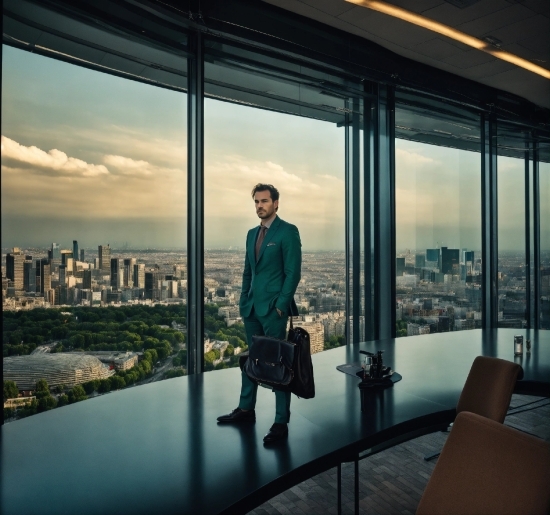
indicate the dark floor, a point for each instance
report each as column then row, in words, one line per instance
column 392, row 481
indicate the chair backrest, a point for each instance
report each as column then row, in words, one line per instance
column 488, row 468
column 488, row 388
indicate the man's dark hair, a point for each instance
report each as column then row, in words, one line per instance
column 273, row 191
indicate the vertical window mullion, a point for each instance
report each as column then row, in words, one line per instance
column 195, row 207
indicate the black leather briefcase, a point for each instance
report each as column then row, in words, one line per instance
column 270, row 362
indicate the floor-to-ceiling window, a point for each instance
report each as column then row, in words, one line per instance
column 438, row 224
column 266, row 124
column 544, row 188
column 93, row 232
column 512, row 270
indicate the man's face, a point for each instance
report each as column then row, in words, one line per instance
column 265, row 207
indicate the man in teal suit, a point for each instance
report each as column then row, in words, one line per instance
column 271, row 275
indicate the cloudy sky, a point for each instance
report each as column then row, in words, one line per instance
column 100, row 159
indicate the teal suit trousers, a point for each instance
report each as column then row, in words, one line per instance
column 270, row 325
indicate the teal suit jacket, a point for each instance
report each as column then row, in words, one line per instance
column 271, row 281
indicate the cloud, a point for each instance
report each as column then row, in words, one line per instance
column 53, row 162
column 129, row 188
column 127, row 165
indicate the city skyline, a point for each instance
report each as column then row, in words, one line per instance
column 90, row 154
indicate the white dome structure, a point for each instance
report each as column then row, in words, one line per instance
column 68, row 369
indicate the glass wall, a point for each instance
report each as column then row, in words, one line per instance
column 93, row 231
column 438, row 223
column 544, row 185
column 511, row 242
column 266, row 124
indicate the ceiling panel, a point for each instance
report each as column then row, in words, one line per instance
column 439, row 48
column 511, row 21
column 496, row 20
column 453, row 16
column 332, row 7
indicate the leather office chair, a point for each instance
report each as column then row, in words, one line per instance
column 488, row 468
column 488, row 389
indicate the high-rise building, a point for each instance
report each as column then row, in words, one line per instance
column 420, row 260
column 43, row 276
column 75, row 250
column 104, row 252
column 129, row 272
column 153, row 284
column 15, row 268
column 117, row 273
column 87, row 279
column 62, row 274
column 82, row 255
column 56, row 252
column 399, row 266
column 449, row 261
column 139, row 276
column 432, row 255
column 29, row 275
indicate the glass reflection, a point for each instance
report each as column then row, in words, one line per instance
column 95, row 164
column 511, row 242
column 544, row 185
column 438, row 238
column 303, row 158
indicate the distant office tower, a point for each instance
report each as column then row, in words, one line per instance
column 129, row 264
column 75, row 250
column 139, row 276
column 87, row 279
column 117, row 273
column 153, row 284
column 66, row 254
column 56, row 252
column 399, row 266
column 104, row 252
column 82, row 255
column 62, row 274
column 43, row 277
column 96, row 263
column 29, row 275
column 420, row 260
column 449, row 261
column 15, row 268
column 432, row 255
column 469, row 256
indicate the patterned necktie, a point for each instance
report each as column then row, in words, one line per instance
column 259, row 241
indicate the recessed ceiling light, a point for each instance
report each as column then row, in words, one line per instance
column 445, row 30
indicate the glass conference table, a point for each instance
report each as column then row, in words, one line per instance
column 158, row 449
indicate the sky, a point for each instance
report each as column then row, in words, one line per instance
column 101, row 159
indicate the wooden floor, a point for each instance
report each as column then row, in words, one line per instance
column 392, row 481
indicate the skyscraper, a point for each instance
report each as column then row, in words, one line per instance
column 449, row 260
column 139, row 276
column 399, row 266
column 432, row 255
column 43, row 277
column 15, row 268
column 129, row 264
column 75, row 250
column 56, row 252
column 62, row 274
column 82, row 255
column 87, row 279
column 117, row 273
column 104, row 252
column 29, row 275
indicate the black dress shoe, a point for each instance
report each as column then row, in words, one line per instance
column 238, row 416
column 276, row 433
